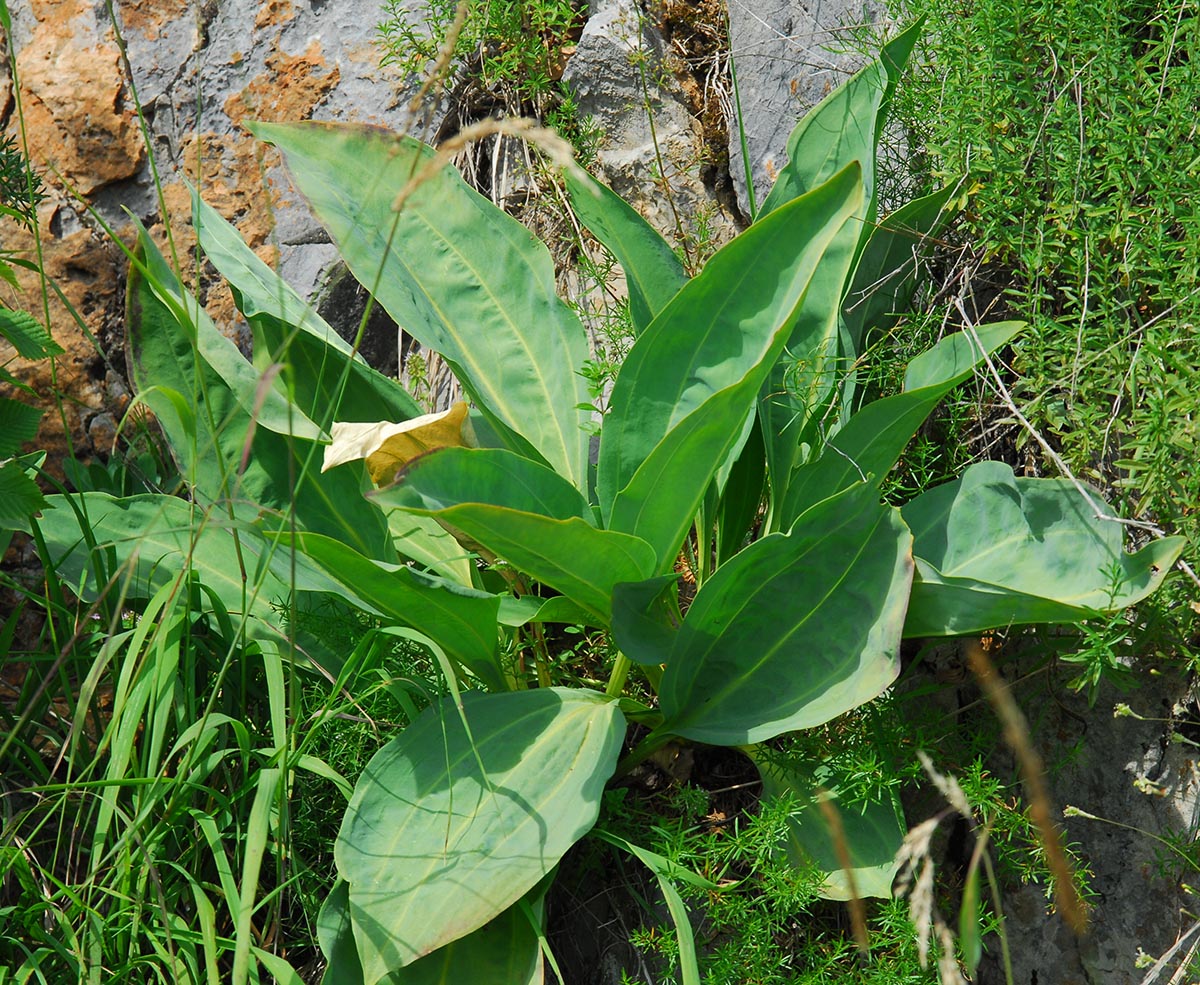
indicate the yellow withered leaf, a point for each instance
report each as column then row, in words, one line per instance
column 388, row 447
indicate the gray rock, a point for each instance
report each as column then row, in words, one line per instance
column 788, row 55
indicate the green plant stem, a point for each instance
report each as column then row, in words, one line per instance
column 620, row 671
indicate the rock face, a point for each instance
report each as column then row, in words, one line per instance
column 788, row 56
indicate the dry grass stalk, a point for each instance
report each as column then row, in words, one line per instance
column 550, row 143
column 858, row 912
column 1016, row 734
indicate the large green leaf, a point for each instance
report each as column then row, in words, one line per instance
column 653, row 272
column 794, row 630
column 502, row 952
column 872, row 831
column 456, row 273
column 643, row 620
column 844, row 127
column 571, row 556
column 872, row 441
column 147, row 541
column 722, row 332
column 462, row 621
column 433, row 850
column 996, row 550
column 328, row 380
column 886, row 275
column 234, row 436
column 450, row 476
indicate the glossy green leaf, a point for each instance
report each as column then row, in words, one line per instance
column 873, row 832
column 461, row 620
column 495, row 476
column 432, row 850
column 653, row 272
column 873, row 440
column 713, row 344
column 996, row 550
column 796, row 629
column 456, row 273
column 502, row 952
column 328, row 380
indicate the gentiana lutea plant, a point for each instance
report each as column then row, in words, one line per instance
column 736, row 444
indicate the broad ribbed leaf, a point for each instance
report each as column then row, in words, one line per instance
column 725, row 328
column 653, row 272
column 502, row 952
column 460, row 620
column 571, row 556
column 873, row 832
column 873, row 440
column 997, row 550
column 493, row 476
column 288, row 329
column 794, row 630
column 433, row 850
column 456, row 273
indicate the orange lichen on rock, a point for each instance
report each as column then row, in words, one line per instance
column 272, row 13
column 148, row 17
column 70, row 74
column 89, row 273
column 290, row 89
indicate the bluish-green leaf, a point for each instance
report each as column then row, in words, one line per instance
column 452, row 476
column 464, row 622
column 454, row 272
column 873, row 831
column 722, row 332
column 996, row 550
column 502, row 952
column 845, row 126
column 653, row 272
column 432, row 850
column 642, row 618
column 328, row 380
column 794, row 630
column 239, row 438
column 571, row 556
column 886, row 274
